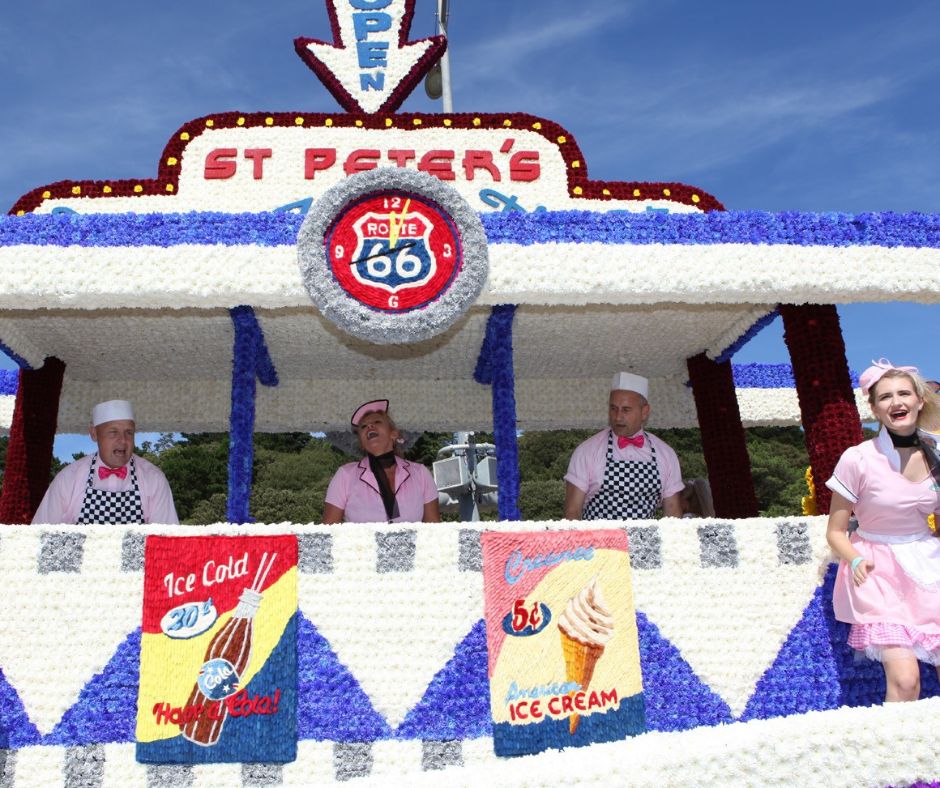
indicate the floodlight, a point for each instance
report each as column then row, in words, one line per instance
column 485, row 475
column 451, row 476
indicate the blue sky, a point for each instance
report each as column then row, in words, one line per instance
column 801, row 106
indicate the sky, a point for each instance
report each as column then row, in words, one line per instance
column 798, row 106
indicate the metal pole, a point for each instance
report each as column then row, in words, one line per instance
column 442, row 18
column 469, row 511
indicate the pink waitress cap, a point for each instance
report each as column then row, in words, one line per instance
column 369, row 407
column 876, row 371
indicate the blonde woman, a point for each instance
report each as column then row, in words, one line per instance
column 888, row 583
column 382, row 486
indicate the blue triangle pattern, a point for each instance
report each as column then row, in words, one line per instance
column 106, row 709
column 803, row 677
column 456, row 704
column 16, row 729
column 331, row 706
column 862, row 681
column 676, row 699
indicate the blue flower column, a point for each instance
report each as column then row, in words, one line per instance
column 494, row 368
column 723, row 440
column 250, row 360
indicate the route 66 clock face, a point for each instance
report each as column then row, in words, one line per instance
column 392, row 255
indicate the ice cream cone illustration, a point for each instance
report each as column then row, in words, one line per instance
column 585, row 628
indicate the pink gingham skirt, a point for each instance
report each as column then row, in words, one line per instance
column 873, row 639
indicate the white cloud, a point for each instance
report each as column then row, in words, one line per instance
column 542, row 29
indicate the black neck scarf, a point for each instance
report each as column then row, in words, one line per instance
column 379, row 465
column 911, row 441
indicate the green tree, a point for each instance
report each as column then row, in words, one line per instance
column 542, row 499
column 291, row 442
column 196, row 470
column 295, row 506
column 543, row 462
column 426, row 447
column 150, row 450
column 545, row 455
column 297, row 470
column 291, row 474
column 210, row 510
column 778, row 468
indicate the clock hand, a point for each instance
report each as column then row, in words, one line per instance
column 395, row 227
column 406, row 245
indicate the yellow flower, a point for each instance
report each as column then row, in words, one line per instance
column 809, row 501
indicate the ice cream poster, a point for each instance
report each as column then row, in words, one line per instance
column 218, row 652
column 564, row 659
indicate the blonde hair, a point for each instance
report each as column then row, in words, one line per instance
column 929, row 417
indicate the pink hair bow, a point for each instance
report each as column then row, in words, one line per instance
column 876, row 371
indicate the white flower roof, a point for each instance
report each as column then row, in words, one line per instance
column 611, row 276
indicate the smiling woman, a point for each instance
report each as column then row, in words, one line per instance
column 382, row 486
column 888, row 584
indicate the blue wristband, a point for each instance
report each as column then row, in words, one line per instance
column 855, row 562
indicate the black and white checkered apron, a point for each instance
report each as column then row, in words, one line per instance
column 630, row 490
column 111, row 508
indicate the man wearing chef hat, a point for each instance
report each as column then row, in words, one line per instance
column 113, row 485
column 623, row 472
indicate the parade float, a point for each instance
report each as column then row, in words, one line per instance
column 467, row 268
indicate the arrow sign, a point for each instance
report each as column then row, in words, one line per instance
column 370, row 66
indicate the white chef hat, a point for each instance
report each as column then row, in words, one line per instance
column 112, row 410
column 627, row 381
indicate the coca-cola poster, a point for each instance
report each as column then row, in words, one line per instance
column 218, row 654
column 561, row 633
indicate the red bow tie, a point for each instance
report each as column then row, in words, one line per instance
column 636, row 440
column 104, row 472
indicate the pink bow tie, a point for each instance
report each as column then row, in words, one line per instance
column 104, row 472
column 636, row 440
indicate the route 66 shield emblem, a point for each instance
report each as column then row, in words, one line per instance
column 392, row 255
column 405, row 262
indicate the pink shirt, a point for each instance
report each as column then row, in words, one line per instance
column 354, row 489
column 63, row 500
column 884, row 501
column 586, row 468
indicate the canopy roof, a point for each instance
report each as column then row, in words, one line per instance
column 137, row 307
column 132, row 283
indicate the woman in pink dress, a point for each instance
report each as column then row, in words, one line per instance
column 888, row 583
column 382, row 486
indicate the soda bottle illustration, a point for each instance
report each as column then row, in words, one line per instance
column 225, row 662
